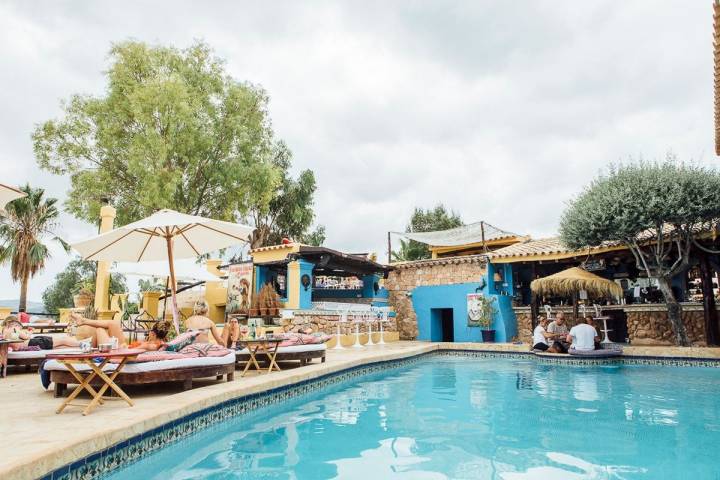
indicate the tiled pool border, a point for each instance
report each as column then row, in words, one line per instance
column 139, row 446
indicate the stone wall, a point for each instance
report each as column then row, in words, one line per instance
column 406, row 276
column 327, row 323
column 653, row 327
column 646, row 324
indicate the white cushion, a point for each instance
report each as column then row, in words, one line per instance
column 29, row 354
column 140, row 367
column 313, row 347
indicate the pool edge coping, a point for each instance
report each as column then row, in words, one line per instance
column 217, row 401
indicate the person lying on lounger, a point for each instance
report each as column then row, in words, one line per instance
column 13, row 329
column 102, row 331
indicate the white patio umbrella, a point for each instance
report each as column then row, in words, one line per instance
column 164, row 235
column 8, row 194
column 186, row 270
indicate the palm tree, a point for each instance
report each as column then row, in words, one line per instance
column 24, row 225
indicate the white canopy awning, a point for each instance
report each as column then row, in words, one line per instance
column 465, row 235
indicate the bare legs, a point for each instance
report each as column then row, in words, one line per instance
column 100, row 330
column 231, row 333
column 65, row 341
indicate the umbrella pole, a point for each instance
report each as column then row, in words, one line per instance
column 176, row 322
column 167, row 287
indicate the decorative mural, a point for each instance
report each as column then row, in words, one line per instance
column 240, row 277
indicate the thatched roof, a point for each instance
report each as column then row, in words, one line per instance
column 573, row 280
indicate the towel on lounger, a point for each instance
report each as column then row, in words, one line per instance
column 292, row 339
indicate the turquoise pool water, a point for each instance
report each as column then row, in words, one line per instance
column 455, row 417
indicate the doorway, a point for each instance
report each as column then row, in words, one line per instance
column 442, row 328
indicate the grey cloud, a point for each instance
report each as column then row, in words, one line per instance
column 501, row 110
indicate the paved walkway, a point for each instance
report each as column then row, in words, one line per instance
column 35, row 441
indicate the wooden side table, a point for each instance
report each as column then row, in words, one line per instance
column 261, row 346
column 71, row 360
column 4, row 346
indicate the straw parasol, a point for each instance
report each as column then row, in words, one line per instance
column 164, row 235
column 570, row 281
column 8, row 194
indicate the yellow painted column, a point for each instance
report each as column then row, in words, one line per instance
column 102, row 283
column 215, row 292
column 293, row 285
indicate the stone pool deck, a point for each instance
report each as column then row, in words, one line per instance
column 36, row 441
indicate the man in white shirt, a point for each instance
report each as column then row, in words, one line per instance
column 582, row 336
column 540, row 335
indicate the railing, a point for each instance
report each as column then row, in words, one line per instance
column 41, row 314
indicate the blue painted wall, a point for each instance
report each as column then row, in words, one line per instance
column 306, row 268
column 427, row 300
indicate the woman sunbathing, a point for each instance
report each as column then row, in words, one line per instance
column 156, row 338
column 199, row 322
column 13, row 329
column 102, row 331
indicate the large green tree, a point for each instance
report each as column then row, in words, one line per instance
column 430, row 220
column 656, row 209
column 289, row 213
column 172, row 130
column 25, row 227
column 67, row 283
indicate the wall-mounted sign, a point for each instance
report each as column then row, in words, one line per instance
column 240, row 277
column 475, row 308
column 594, row 265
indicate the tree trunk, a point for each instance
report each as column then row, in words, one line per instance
column 712, row 330
column 674, row 312
column 23, row 291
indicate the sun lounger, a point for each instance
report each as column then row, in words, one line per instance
column 32, row 358
column 301, row 353
column 176, row 370
column 41, row 327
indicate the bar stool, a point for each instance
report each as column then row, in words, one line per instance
column 338, row 335
column 357, row 320
column 369, row 318
column 604, row 319
column 382, row 320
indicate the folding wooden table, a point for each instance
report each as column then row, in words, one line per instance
column 72, row 360
column 261, row 346
column 4, row 346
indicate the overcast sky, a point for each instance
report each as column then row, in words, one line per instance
column 500, row 110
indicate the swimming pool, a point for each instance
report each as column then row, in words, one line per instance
column 467, row 417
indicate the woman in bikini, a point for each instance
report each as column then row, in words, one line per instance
column 199, row 322
column 11, row 327
column 101, row 331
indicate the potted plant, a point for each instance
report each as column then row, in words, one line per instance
column 254, row 309
column 275, row 304
column 85, row 294
column 486, row 312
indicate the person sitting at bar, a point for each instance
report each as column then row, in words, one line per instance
column 558, row 328
column 582, row 336
column 541, row 336
column 591, row 321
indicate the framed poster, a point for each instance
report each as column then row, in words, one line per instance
column 474, row 309
column 239, row 291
